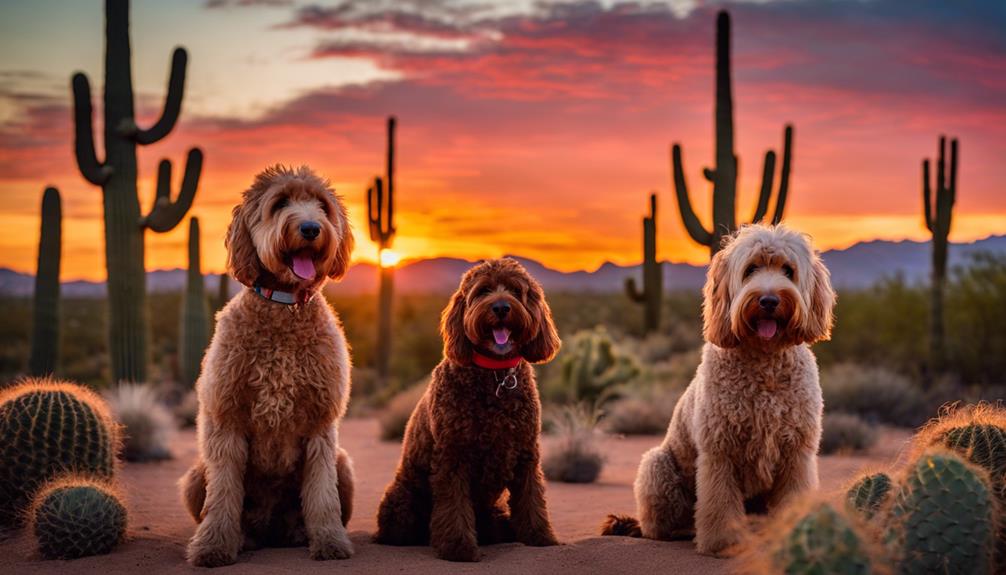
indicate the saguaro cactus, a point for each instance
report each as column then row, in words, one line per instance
column 381, row 217
column 45, row 316
column 195, row 328
column 938, row 214
column 124, row 223
column 651, row 295
column 724, row 175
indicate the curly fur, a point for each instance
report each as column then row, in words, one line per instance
column 470, row 471
column 274, row 384
column 745, row 434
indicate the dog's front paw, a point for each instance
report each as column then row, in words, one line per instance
column 214, row 545
column 334, row 546
column 544, row 539
column 464, row 551
column 725, row 546
column 210, row 556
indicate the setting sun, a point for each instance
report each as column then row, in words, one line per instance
column 390, row 258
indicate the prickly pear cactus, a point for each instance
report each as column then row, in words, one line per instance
column 820, row 540
column 943, row 518
column 49, row 428
column 867, row 495
column 77, row 518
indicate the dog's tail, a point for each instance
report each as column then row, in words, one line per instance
column 621, row 525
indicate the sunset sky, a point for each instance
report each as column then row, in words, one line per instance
column 531, row 128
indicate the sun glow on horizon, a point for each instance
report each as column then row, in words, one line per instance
column 390, row 258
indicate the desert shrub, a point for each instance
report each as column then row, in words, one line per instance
column 876, row 394
column 886, row 324
column 643, row 412
column 575, row 457
column 395, row 415
column 975, row 307
column 676, row 372
column 845, row 432
column 147, row 423
column 187, row 409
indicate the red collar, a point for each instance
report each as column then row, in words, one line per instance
column 487, row 362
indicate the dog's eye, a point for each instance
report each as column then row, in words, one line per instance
column 750, row 270
column 325, row 208
column 786, row 269
column 282, row 203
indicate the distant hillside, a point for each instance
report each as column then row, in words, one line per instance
column 859, row 266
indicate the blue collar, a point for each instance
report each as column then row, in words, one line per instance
column 283, row 297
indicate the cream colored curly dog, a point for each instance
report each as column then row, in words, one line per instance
column 275, row 381
column 744, row 436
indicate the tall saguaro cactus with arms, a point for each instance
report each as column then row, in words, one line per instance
column 724, row 175
column 939, row 214
column 45, row 317
column 125, row 225
column 381, row 220
column 653, row 282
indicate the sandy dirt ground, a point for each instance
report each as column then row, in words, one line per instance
column 159, row 527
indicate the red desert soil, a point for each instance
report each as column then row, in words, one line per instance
column 159, row 527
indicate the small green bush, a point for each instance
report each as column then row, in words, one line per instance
column 845, row 432
column 875, row 394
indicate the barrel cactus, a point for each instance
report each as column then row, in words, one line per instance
column 943, row 517
column 978, row 433
column 77, row 517
column 49, row 428
column 868, row 494
column 812, row 537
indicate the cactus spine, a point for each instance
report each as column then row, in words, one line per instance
column 195, row 314
column 381, row 220
column 45, row 317
column 938, row 213
column 48, row 428
column 868, row 494
column 724, row 175
column 652, row 294
column 77, row 518
column 124, row 223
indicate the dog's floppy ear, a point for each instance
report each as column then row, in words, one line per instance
column 545, row 344
column 340, row 264
column 242, row 259
column 457, row 348
column 716, row 303
column 820, row 313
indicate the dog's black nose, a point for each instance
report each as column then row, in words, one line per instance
column 501, row 309
column 310, row 230
column 768, row 302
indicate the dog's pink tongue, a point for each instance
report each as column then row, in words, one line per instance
column 501, row 335
column 303, row 267
column 766, row 328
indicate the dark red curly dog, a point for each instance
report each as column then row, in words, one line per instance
column 470, row 471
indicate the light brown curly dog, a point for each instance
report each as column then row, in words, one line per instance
column 275, row 381
column 744, row 436
column 470, row 470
